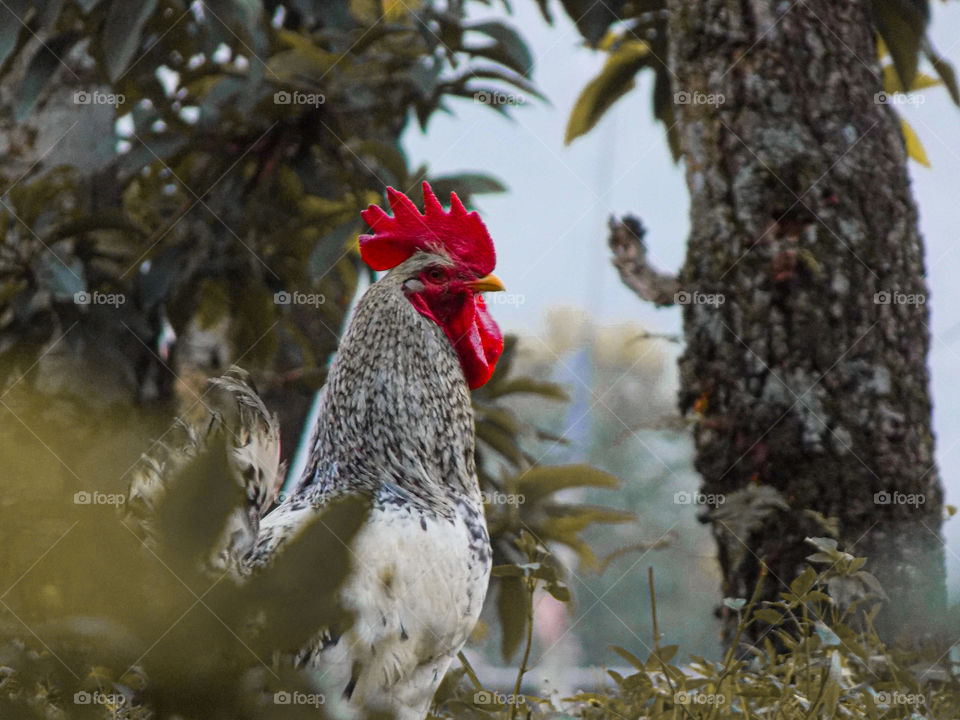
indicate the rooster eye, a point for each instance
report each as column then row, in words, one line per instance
column 435, row 275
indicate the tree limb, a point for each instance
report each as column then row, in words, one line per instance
column 630, row 259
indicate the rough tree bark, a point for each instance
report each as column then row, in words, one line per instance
column 812, row 375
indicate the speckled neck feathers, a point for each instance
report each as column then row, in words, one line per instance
column 395, row 414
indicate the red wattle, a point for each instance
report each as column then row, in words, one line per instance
column 476, row 340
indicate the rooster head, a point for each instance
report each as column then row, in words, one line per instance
column 447, row 289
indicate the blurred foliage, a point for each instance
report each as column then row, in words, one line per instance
column 195, row 161
column 172, row 174
column 831, row 663
column 97, row 623
column 633, row 33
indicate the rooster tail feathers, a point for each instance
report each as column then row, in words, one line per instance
column 234, row 410
column 254, row 439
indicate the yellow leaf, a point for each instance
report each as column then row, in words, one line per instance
column 608, row 41
column 881, row 47
column 914, row 147
column 397, row 9
column 614, row 81
column 892, row 84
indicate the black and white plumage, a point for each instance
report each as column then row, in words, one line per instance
column 396, row 427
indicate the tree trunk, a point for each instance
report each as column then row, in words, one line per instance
column 809, row 361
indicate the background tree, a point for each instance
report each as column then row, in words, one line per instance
column 806, row 327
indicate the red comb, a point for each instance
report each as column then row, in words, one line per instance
column 458, row 233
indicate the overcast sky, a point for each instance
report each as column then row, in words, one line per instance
column 550, row 229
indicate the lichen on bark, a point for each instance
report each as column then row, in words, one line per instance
column 811, row 376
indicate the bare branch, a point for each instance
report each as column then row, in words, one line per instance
column 630, row 259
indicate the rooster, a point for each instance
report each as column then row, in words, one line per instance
column 395, row 427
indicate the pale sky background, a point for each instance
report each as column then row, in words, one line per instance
column 550, row 228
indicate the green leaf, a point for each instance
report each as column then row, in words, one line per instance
column 533, row 387
column 825, row 545
column 508, row 48
column 389, row 156
column 902, row 26
column 12, row 13
column 45, row 61
column 593, row 18
column 542, row 481
column 946, row 73
column 803, row 582
column 662, row 656
column 613, row 82
column 465, row 185
column 891, row 81
column 768, row 615
column 512, row 611
column 121, row 33
column 507, row 571
column 664, row 110
column 628, row 656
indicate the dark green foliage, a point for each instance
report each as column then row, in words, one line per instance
column 251, row 146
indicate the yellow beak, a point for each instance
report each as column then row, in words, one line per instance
column 488, row 283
